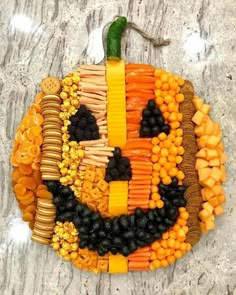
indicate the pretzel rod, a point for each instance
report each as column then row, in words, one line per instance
column 103, row 131
column 100, row 115
column 86, row 94
column 87, row 72
column 193, row 193
column 93, row 142
column 92, row 162
column 97, row 92
column 84, row 99
column 105, row 148
column 92, row 86
column 102, row 127
column 101, row 122
column 93, row 67
column 99, row 153
column 99, row 159
column 93, row 82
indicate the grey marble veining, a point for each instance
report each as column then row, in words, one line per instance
column 52, row 37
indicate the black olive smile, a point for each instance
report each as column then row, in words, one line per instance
column 123, row 234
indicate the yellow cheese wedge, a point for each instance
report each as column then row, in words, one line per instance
column 116, row 103
column 118, row 198
column 118, row 264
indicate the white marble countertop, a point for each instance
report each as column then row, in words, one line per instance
column 45, row 37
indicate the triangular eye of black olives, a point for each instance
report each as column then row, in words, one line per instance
column 118, row 167
column 153, row 122
column 83, row 125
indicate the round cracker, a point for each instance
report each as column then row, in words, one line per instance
column 40, row 240
column 51, row 85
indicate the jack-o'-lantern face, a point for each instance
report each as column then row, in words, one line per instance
column 115, row 148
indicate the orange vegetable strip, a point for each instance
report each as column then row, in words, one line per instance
column 138, row 163
column 141, row 167
column 141, row 192
column 138, row 264
column 141, row 172
column 138, row 78
column 133, row 134
column 140, row 72
column 137, row 113
column 139, row 258
column 142, row 255
column 141, row 250
column 144, row 197
column 139, row 153
column 135, row 187
column 138, row 202
column 144, row 143
column 138, row 158
column 145, row 67
column 139, row 86
column 141, row 177
column 133, row 120
column 140, row 182
column 144, row 94
column 133, row 127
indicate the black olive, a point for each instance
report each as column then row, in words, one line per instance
column 106, row 243
column 138, row 212
column 86, row 220
column 152, row 121
column 165, row 128
column 146, row 131
column 79, row 208
column 162, row 212
column 146, row 113
column 141, row 235
column 151, row 104
column 112, row 163
column 158, row 219
column 183, row 202
column 121, row 169
column 83, row 229
column 65, row 191
column 132, row 246
column 168, row 204
column 160, row 120
column 144, row 123
column 125, row 251
column 169, row 222
column 93, row 237
column 117, row 153
column 150, row 215
column 114, row 250
column 86, row 212
column 51, row 185
column 162, row 227
column 152, row 228
column 128, row 235
column 141, row 243
column 84, row 237
column 115, row 228
column 125, row 161
column 157, row 235
column 142, row 221
column 132, row 220
column 95, row 216
column 96, row 225
column 117, row 241
column 155, row 130
column 108, row 178
column 91, row 247
column 61, row 208
column 163, row 186
column 83, row 244
column 77, row 221
column 107, row 224
column 176, row 202
column 70, row 205
column 114, row 173
column 57, row 201
column 172, row 212
column 102, row 234
column 69, row 216
column 156, row 112
column 181, row 189
column 175, row 181
column 101, row 251
column 171, row 194
column 124, row 221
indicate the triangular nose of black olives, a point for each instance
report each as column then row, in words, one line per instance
column 153, row 122
column 118, row 167
column 83, row 125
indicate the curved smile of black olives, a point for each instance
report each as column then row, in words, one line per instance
column 123, row 234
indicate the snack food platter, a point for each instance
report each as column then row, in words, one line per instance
column 119, row 167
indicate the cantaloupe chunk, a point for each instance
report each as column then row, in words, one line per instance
column 216, row 173
column 207, row 206
column 202, row 141
column 214, row 162
column 210, row 225
column 214, row 201
column 203, row 227
column 199, row 130
column 197, row 102
column 211, row 154
column 216, row 129
column 208, row 126
column 205, row 108
column 201, row 163
column 212, row 141
column 198, row 118
column 204, row 214
column 223, row 158
column 203, row 174
column 223, row 173
column 217, row 189
column 221, row 198
column 207, row 193
column 220, row 146
column 201, row 153
column 209, row 182
column 218, row 210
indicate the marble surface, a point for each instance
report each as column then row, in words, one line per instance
column 45, row 37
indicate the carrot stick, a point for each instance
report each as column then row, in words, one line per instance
column 137, row 158
column 140, row 182
column 140, row 255
column 137, row 113
column 139, row 258
column 141, row 177
column 141, row 167
column 133, row 127
column 144, row 94
column 141, row 172
column 138, row 78
column 133, row 202
column 140, row 72
column 138, row 198
column 139, row 86
column 139, row 187
column 146, row 67
column 133, row 134
column 137, row 153
column 142, row 163
column 141, row 192
column 144, row 143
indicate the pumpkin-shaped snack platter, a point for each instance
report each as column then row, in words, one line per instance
column 118, row 167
